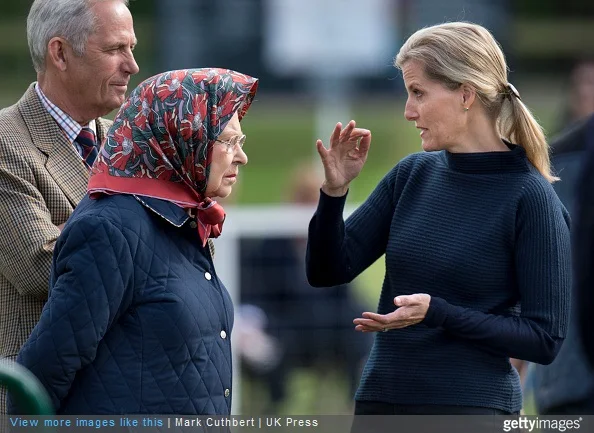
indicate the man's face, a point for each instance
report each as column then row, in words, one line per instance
column 99, row 78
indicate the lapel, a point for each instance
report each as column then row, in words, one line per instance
column 103, row 126
column 63, row 162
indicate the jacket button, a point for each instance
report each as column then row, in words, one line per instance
column 223, row 334
column 227, row 392
column 193, row 224
column 207, row 276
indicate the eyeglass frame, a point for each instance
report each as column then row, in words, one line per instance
column 236, row 140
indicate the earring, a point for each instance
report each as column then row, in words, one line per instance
column 466, row 108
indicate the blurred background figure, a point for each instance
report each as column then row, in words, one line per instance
column 566, row 387
column 582, row 90
column 310, row 327
column 584, row 250
column 580, row 93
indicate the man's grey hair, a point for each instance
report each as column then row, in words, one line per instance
column 72, row 20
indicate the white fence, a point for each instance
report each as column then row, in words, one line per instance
column 253, row 222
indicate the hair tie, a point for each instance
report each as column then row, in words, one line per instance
column 511, row 90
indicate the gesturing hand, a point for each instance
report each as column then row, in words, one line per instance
column 411, row 310
column 345, row 158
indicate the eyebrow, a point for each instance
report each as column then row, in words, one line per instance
column 231, row 134
column 115, row 45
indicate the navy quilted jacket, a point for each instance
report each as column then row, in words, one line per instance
column 137, row 320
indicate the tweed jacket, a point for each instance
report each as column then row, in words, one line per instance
column 42, row 179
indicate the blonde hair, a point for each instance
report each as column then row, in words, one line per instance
column 461, row 52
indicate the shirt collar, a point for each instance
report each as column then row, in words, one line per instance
column 70, row 127
column 171, row 212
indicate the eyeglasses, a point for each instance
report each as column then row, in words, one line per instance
column 236, row 140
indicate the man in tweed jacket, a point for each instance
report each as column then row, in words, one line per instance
column 82, row 74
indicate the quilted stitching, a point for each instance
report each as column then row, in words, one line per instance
column 133, row 325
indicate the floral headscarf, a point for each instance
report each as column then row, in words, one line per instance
column 160, row 144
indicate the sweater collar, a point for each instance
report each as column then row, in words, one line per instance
column 514, row 161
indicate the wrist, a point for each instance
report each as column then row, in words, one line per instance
column 335, row 192
column 437, row 313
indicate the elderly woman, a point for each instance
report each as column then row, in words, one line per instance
column 137, row 319
column 476, row 240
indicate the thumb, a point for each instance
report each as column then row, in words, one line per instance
column 322, row 151
column 402, row 301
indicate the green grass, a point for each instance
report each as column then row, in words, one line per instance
column 310, row 391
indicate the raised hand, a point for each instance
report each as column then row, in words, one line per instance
column 345, row 158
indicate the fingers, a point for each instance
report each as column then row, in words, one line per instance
column 352, row 134
column 365, row 143
column 382, row 319
column 399, row 318
column 371, row 322
column 335, row 136
column 368, row 328
column 391, row 327
column 362, row 328
column 360, row 132
column 346, row 132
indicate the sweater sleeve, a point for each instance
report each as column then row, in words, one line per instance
column 91, row 285
column 543, row 269
column 337, row 251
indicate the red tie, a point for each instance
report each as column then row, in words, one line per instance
column 88, row 143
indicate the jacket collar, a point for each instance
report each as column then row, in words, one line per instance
column 171, row 212
column 63, row 163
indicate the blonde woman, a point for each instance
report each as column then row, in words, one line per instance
column 475, row 239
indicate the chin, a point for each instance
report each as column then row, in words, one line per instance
column 222, row 192
column 113, row 106
column 428, row 146
column 117, row 100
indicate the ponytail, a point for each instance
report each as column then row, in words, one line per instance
column 518, row 125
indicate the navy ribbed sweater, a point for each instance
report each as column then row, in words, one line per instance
column 486, row 236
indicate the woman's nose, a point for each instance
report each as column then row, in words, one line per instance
column 240, row 157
